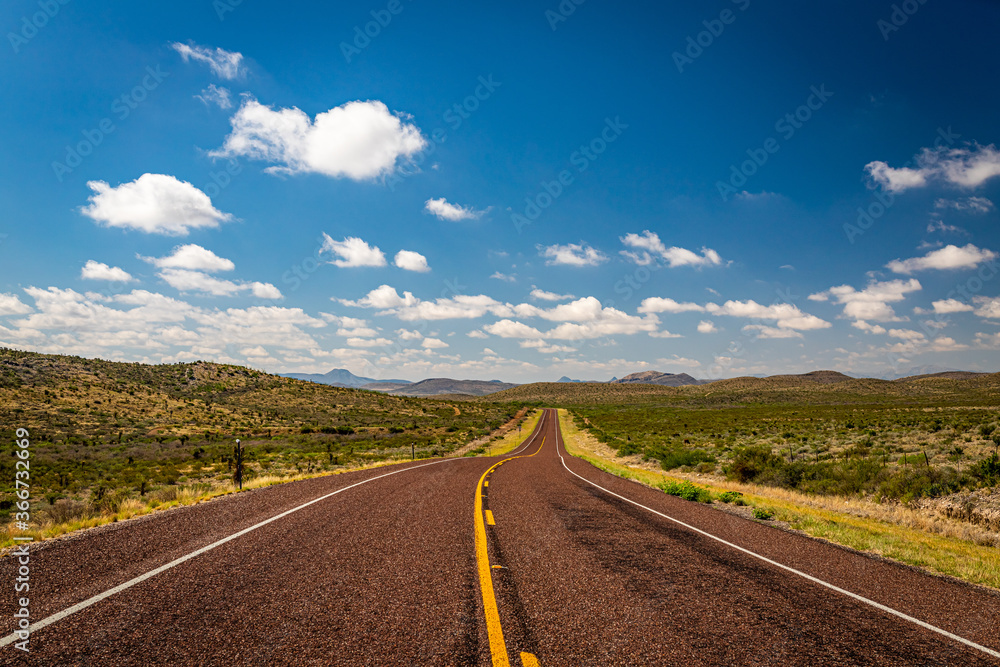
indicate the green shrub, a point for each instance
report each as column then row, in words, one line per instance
column 687, row 491
column 730, row 496
column 763, row 514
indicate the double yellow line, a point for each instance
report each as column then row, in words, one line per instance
column 498, row 647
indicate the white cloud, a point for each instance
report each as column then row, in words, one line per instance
column 542, row 295
column 648, row 247
column 545, row 348
column 192, row 257
column 868, row 328
column 406, row 334
column 447, row 211
column 216, row 95
column 224, row 64
column 907, row 334
column 11, row 305
column 265, row 291
column 368, row 342
column 988, row 307
column 352, row 252
column 764, row 331
column 153, row 203
column 358, row 140
column 411, row 309
column 706, row 327
column 411, row 261
column 948, row 257
column 786, row 315
column 93, row 270
column 572, row 254
column 871, row 303
column 988, row 341
column 658, row 304
column 185, row 280
column 966, row 167
column 476, row 333
column 433, row 344
column 946, row 306
column 582, row 319
column 664, row 334
column 511, row 278
column 946, row 344
column 972, row 205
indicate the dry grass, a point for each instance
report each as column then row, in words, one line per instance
column 513, row 439
column 936, row 544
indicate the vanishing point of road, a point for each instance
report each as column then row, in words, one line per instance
column 531, row 558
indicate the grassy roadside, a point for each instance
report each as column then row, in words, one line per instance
column 513, row 439
column 936, row 553
column 203, row 491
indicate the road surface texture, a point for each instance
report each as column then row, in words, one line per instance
column 533, row 558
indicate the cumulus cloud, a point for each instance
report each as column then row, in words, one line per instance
column 447, row 211
column 867, row 327
column 988, row 307
column 407, row 307
column 10, row 304
column 764, row 331
column 871, row 303
column 411, row 261
column 352, row 252
column 357, row 140
column 507, row 278
column 192, row 257
column 433, row 344
column 217, row 95
column 786, row 315
column 153, row 203
column 542, row 295
column 965, row 167
column 224, row 64
column 988, row 341
column 572, row 254
column 647, row 248
column 948, row 306
column 582, row 319
column 93, row 270
column 658, row 304
column 706, row 327
column 948, row 257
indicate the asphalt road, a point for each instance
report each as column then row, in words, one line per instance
column 540, row 560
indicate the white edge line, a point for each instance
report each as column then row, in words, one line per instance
column 881, row 607
column 9, row 639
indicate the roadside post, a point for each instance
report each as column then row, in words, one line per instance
column 238, row 455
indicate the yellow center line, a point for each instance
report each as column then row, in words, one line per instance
column 489, row 519
column 529, row 660
column 498, row 647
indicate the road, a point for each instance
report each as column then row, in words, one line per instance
column 533, row 558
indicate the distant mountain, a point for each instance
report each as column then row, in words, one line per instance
column 439, row 386
column 341, row 377
column 946, row 375
column 566, row 379
column 923, row 371
column 656, row 377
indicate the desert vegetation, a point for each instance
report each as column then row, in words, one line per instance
column 114, row 439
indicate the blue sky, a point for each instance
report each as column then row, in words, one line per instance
column 517, row 192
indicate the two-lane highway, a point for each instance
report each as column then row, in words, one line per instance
column 532, row 558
